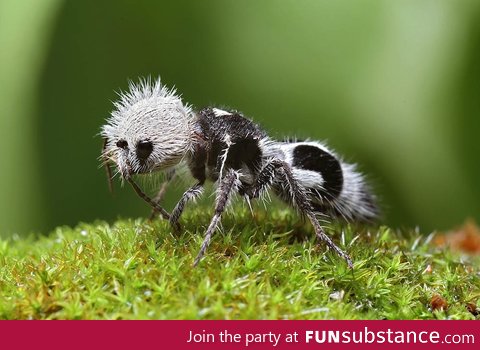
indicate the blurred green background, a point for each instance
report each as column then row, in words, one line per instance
column 392, row 85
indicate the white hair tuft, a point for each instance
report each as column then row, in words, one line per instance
column 148, row 112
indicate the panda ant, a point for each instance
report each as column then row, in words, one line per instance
column 152, row 130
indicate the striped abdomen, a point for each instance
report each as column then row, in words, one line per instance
column 333, row 186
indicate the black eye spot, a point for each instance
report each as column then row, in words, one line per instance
column 144, row 149
column 122, row 144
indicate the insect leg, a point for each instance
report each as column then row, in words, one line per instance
column 192, row 193
column 147, row 199
column 301, row 202
column 227, row 185
column 161, row 192
column 278, row 168
column 264, row 178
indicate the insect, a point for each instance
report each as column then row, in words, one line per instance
column 152, row 130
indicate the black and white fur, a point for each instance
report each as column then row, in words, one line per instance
column 152, row 130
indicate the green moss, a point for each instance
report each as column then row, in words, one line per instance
column 266, row 267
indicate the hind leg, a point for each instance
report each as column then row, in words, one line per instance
column 295, row 194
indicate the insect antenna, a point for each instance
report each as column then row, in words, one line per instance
column 107, row 166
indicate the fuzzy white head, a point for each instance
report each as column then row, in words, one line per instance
column 150, row 129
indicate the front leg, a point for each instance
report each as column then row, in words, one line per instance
column 161, row 192
column 227, row 185
column 147, row 199
column 190, row 194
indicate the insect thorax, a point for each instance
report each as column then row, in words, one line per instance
column 226, row 141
